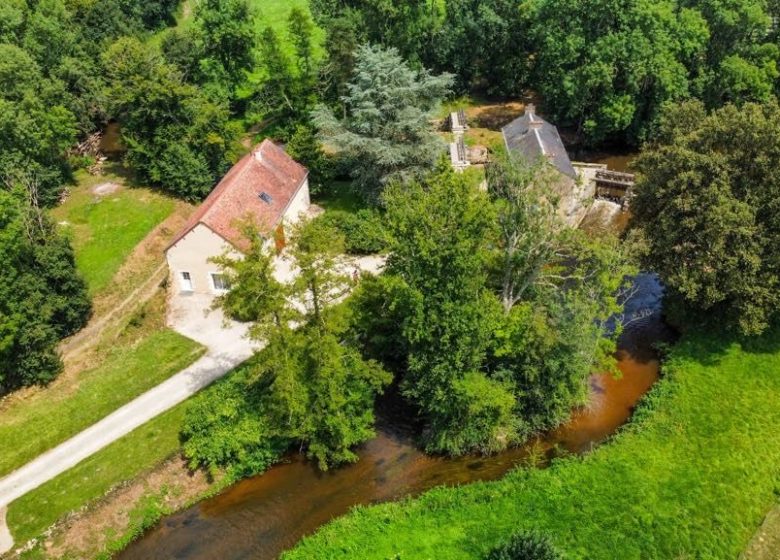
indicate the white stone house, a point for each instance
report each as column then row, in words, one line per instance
column 266, row 189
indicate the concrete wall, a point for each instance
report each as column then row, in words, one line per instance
column 191, row 254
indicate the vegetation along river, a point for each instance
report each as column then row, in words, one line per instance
column 260, row 517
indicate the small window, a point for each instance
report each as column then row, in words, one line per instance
column 186, row 282
column 265, row 197
column 220, row 283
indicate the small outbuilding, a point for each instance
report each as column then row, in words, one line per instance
column 266, row 190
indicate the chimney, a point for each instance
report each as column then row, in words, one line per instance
column 258, row 153
column 533, row 120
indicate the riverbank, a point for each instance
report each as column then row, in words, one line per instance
column 692, row 476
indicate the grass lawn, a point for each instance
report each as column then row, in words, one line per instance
column 132, row 365
column 104, row 229
column 135, row 453
column 339, row 196
column 691, row 477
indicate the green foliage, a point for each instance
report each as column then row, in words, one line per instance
column 480, row 417
column 225, row 427
column 304, row 147
column 525, row 546
column 406, row 25
column 363, row 231
column 706, row 207
column 310, row 385
column 226, row 29
column 485, row 375
column 485, row 43
column 385, row 134
column 176, row 137
column 42, row 297
column 689, row 457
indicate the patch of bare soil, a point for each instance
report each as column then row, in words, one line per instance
column 494, row 117
column 765, row 544
column 85, row 534
column 104, row 189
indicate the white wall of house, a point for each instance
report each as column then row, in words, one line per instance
column 191, row 254
column 299, row 205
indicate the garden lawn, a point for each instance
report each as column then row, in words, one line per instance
column 691, row 477
column 30, row 426
column 104, row 229
column 274, row 14
column 137, row 452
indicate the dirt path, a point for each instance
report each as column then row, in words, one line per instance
column 765, row 544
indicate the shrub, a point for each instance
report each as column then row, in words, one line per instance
column 525, row 546
column 364, row 230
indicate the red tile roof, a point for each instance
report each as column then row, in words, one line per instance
column 266, row 170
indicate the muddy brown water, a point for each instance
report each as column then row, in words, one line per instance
column 260, row 517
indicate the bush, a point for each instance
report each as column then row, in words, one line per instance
column 525, row 546
column 224, row 429
column 364, row 230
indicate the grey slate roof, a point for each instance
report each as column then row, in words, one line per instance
column 535, row 138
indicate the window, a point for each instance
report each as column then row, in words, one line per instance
column 219, row 282
column 265, row 197
column 186, row 282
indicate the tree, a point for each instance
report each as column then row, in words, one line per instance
column 386, row 134
column 525, row 546
column 42, row 297
column 485, row 43
column 530, row 228
column 608, row 66
column 437, row 277
column 310, row 385
column 301, row 30
column 227, row 29
column 176, row 137
column 706, row 207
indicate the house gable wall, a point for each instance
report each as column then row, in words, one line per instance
column 192, row 253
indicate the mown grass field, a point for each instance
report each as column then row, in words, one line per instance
column 140, row 359
column 137, row 452
column 104, row 229
column 691, row 477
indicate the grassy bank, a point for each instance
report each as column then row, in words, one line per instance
column 135, row 453
column 105, row 228
column 144, row 355
column 691, row 477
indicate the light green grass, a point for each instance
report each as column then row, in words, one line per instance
column 105, row 229
column 138, row 452
column 33, row 425
column 691, row 478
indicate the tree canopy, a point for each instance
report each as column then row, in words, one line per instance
column 706, row 206
column 386, row 134
column 42, row 297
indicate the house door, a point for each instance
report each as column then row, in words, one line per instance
column 281, row 242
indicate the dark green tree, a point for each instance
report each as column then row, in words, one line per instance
column 525, row 546
column 227, row 29
column 42, row 297
column 386, row 134
column 706, row 207
column 176, row 137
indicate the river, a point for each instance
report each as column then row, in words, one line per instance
column 260, row 517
